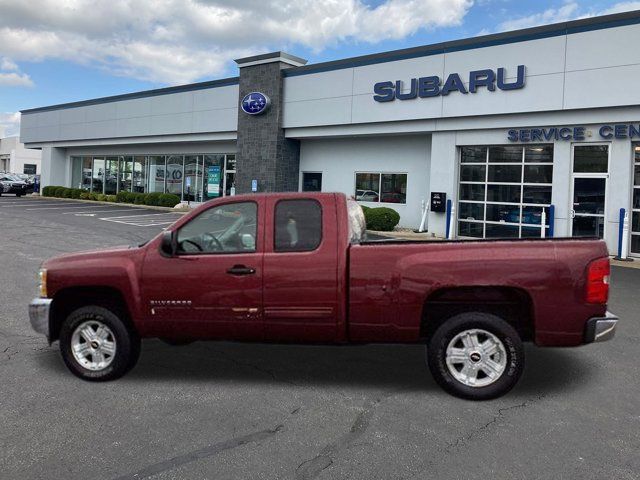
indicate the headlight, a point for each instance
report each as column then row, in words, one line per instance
column 42, row 283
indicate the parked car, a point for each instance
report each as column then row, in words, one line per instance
column 296, row 267
column 12, row 184
column 28, row 179
column 366, row 196
column 393, row 198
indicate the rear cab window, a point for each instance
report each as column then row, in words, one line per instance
column 298, row 225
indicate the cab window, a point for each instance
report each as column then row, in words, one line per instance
column 230, row 228
column 298, row 225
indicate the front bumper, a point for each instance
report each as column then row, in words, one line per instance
column 39, row 315
column 600, row 329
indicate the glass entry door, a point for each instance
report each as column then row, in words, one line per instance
column 588, row 209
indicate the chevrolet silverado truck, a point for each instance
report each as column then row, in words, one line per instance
column 296, row 267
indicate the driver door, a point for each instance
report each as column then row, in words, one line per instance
column 212, row 286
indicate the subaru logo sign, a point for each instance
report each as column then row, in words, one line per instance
column 255, row 103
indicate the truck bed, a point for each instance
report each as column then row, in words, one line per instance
column 395, row 284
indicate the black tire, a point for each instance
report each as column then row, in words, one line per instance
column 437, row 354
column 18, row 195
column 126, row 340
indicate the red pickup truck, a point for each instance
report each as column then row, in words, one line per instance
column 296, row 267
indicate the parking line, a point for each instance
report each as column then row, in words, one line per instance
column 68, row 207
column 150, row 215
column 16, row 204
column 145, row 220
column 100, row 211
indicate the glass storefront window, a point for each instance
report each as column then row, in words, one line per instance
column 175, row 174
column 590, row 158
column 502, row 197
column 368, row 187
column 205, row 174
column 111, row 176
column 138, row 174
column 393, row 188
column 311, row 181
column 538, row 154
column 381, row 187
column 126, row 174
column 97, row 184
column 192, row 176
column 474, row 155
column 505, row 154
column 87, row 163
column 156, row 174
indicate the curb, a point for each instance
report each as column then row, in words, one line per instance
column 96, row 202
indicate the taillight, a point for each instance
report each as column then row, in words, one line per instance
column 598, row 281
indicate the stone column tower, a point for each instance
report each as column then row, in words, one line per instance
column 264, row 154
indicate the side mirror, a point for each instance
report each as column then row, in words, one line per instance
column 168, row 245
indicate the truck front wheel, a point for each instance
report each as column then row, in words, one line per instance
column 96, row 345
column 476, row 355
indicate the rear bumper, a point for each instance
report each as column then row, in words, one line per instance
column 39, row 315
column 600, row 329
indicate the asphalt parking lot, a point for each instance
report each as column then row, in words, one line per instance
column 236, row 411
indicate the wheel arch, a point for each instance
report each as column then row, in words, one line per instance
column 69, row 299
column 512, row 304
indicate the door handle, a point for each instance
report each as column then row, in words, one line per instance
column 573, row 214
column 241, row 270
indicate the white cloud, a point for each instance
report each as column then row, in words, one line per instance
column 176, row 41
column 570, row 10
column 621, row 7
column 566, row 12
column 10, row 75
column 13, row 79
column 6, row 64
column 10, row 123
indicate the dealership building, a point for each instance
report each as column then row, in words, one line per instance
column 504, row 126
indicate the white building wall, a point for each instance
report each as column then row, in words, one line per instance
column 563, row 72
column 56, row 170
column 18, row 156
column 208, row 110
column 340, row 159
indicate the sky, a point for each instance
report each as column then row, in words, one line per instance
column 58, row 51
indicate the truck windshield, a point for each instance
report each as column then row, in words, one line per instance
column 357, row 223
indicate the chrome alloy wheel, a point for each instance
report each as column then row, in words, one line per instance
column 93, row 345
column 476, row 358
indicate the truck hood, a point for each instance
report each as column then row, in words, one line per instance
column 87, row 255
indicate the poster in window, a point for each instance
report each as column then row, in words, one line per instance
column 213, row 181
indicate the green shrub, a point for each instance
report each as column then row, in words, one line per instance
column 365, row 208
column 381, row 218
column 85, row 195
column 125, row 197
column 101, row 197
column 153, row 199
column 168, row 200
column 48, row 191
column 76, row 192
column 111, row 198
column 58, row 192
column 139, row 198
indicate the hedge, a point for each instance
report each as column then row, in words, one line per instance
column 154, row 199
column 381, row 218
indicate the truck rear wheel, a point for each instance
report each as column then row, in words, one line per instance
column 477, row 356
column 96, row 345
